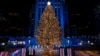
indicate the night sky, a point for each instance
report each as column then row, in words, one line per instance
column 15, row 16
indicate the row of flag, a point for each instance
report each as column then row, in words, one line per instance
column 31, row 52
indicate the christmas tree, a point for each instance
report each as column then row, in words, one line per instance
column 48, row 30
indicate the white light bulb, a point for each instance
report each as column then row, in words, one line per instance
column 92, row 43
column 48, row 3
column 2, row 43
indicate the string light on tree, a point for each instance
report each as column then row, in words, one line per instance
column 48, row 30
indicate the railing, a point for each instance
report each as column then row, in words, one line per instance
column 67, row 41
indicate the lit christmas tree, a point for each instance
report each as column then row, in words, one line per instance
column 48, row 30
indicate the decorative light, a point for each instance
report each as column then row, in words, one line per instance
column 92, row 43
column 14, row 43
column 68, row 41
column 88, row 41
column 36, row 46
column 29, row 37
column 68, row 37
column 20, row 42
column 29, row 41
column 48, row 3
column 80, row 43
column 24, row 42
column 8, row 40
column 2, row 43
